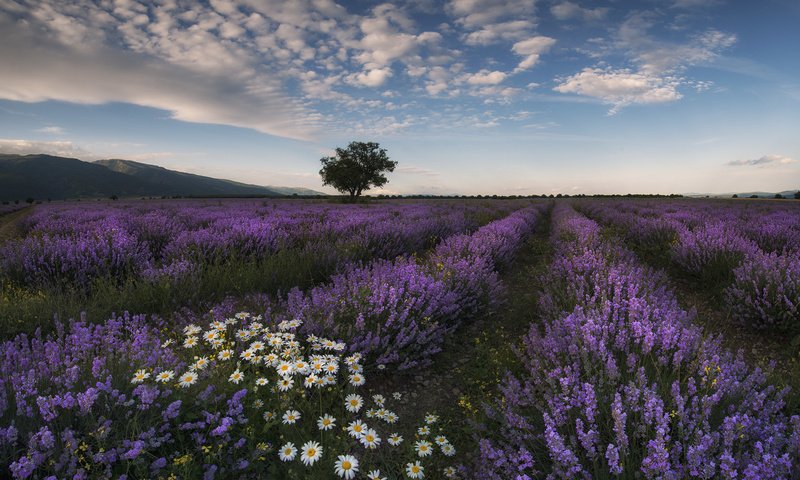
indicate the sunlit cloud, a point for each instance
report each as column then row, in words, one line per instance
column 763, row 161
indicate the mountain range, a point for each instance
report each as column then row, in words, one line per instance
column 785, row 194
column 43, row 177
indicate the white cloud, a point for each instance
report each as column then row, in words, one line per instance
column 478, row 13
column 620, row 87
column 387, row 38
column 570, row 10
column 531, row 49
column 661, row 65
column 415, row 170
column 491, row 21
column 373, row 78
column 58, row 148
column 503, row 31
column 657, row 56
column 51, row 130
column 485, row 77
column 764, row 161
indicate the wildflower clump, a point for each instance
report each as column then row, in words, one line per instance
column 236, row 397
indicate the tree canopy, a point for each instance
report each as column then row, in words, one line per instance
column 359, row 167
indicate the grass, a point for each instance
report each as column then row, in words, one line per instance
column 24, row 309
column 476, row 358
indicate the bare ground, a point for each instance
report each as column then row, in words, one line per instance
column 11, row 223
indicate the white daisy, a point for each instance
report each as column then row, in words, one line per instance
column 346, row 466
column 285, row 369
column 312, row 451
column 423, row 448
column 357, row 379
column 165, row 376
column 210, row 335
column 291, row 417
column 395, row 439
column 310, row 381
column 190, row 342
column 448, row 450
column 375, row 475
column 285, row 383
column 200, row 363
column 236, row 376
column 326, row 422
column 191, row 330
column 140, row 376
column 415, row 470
column 187, row 379
column 287, row 452
column 225, row 354
column 424, row 430
column 356, row 428
column 353, row 402
column 217, row 325
column 261, row 381
column 370, row 439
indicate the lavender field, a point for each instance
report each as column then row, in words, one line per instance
column 463, row 338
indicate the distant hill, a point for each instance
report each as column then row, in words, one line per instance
column 785, row 193
column 56, row 178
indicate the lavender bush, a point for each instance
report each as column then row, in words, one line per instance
column 765, row 293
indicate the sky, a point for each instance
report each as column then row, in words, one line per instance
column 468, row 96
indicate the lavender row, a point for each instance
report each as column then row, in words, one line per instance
column 400, row 312
column 754, row 260
column 619, row 383
column 74, row 245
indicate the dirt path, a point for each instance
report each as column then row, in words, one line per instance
column 758, row 348
column 474, row 360
column 10, row 224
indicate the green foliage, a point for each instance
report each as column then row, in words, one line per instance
column 356, row 168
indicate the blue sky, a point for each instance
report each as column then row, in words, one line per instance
column 469, row 96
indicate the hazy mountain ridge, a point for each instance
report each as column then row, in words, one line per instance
column 42, row 176
column 784, row 193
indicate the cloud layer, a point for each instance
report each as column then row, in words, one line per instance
column 296, row 69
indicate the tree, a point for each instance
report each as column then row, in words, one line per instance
column 797, row 195
column 358, row 167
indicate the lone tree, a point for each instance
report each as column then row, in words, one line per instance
column 356, row 168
